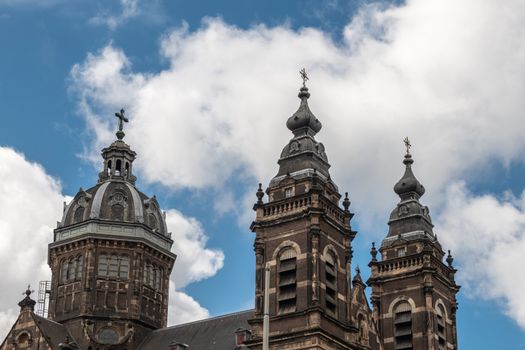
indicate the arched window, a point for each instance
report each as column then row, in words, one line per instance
column 403, row 326
column 441, row 329
column 79, row 214
column 102, row 265
column 331, row 283
column 118, row 167
column 153, row 221
column 287, row 274
column 123, row 271
column 158, row 278
column 80, row 267
column 117, row 212
column 109, row 167
column 23, row 340
column 64, row 268
column 71, row 269
column 126, row 172
column 115, row 266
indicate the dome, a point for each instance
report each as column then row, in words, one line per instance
column 116, row 201
column 115, row 198
column 408, row 185
column 304, row 121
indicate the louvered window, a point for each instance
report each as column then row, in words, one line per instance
column 441, row 330
column 287, row 271
column 403, row 326
column 331, row 284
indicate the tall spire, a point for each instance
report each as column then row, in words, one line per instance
column 304, row 121
column 409, row 215
column 408, row 186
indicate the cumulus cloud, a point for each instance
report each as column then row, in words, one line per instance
column 488, row 233
column 30, row 205
column 183, row 308
column 194, row 261
column 449, row 74
column 129, row 9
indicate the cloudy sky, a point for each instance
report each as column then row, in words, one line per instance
column 208, row 87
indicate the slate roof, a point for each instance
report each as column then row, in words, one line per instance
column 54, row 333
column 216, row 333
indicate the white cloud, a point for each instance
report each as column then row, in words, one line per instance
column 183, row 308
column 487, row 235
column 129, row 9
column 194, row 261
column 448, row 73
column 30, row 205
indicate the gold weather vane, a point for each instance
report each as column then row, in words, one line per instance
column 304, row 76
column 408, row 145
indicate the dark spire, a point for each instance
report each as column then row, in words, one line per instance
column 304, row 121
column 408, row 186
column 409, row 215
column 27, row 302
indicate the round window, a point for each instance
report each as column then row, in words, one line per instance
column 108, row 336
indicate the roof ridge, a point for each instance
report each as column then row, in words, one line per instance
column 205, row 320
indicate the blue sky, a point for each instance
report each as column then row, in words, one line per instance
column 208, row 86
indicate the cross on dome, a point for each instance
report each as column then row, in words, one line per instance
column 408, row 145
column 304, row 76
column 122, row 119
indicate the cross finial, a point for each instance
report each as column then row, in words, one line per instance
column 304, row 76
column 408, row 145
column 122, row 118
column 28, row 290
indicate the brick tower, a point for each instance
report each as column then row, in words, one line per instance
column 306, row 238
column 110, row 259
column 413, row 291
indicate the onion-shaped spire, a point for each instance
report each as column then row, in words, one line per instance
column 408, row 186
column 304, row 121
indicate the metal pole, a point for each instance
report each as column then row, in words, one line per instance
column 266, row 320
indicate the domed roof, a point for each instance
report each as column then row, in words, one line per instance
column 115, row 200
column 409, row 215
column 304, row 121
column 408, row 185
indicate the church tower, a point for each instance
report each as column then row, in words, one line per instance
column 110, row 258
column 305, row 238
column 413, row 291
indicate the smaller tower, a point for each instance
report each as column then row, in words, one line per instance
column 413, row 291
